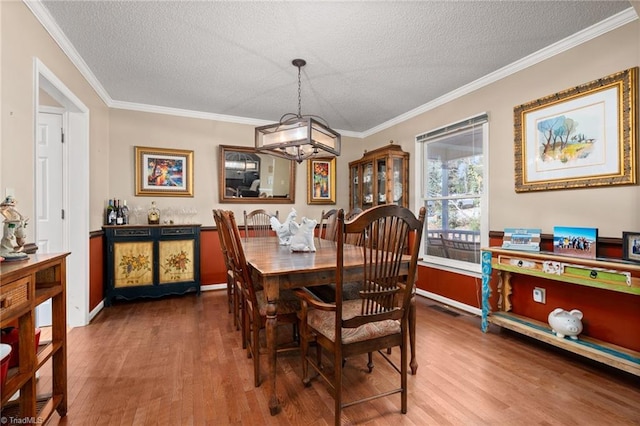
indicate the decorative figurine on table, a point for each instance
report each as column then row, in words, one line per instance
column 303, row 238
column 566, row 323
column 285, row 230
column 13, row 236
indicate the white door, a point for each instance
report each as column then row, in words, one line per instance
column 49, row 168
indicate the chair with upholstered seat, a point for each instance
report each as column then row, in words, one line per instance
column 352, row 238
column 255, row 303
column 234, row 293
column 327, row 225
column 257, row 223
column 327, row 292
column 378, row 318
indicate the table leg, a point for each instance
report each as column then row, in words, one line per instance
column 412, row 336
column 272, row 292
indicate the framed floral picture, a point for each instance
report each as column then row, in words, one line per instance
column 321, row 182
column 582, row 137
column 164, row 172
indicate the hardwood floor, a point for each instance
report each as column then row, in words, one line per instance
column 179, row 361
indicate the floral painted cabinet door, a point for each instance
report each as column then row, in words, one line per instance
column 133, row 264
column 176, row 261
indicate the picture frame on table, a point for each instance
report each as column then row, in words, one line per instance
column 575, row 241
column 582, row 137
column 321, row 180
column 631, row 246
column 162, row 172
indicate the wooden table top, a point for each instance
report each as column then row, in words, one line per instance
column 294, row 269
column 268, row 257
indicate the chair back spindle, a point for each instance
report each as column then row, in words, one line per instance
column 257, row 223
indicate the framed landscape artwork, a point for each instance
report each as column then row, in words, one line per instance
column 631, row 246
column 321, row 182
column 164, row 172
column 577, row 242
column 582, row 137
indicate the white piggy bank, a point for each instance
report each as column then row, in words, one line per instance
column 565, row 323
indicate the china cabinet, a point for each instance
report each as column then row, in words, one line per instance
column 26, row 284
column 380, row 177
column 151, row 260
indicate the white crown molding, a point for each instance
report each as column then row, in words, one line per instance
column 42, row 14
column 609, row 24
column 187, row 113
column 202, row 115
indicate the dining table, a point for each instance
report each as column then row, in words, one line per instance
column 275, row 267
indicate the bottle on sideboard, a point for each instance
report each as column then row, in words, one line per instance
column 154, row 214
column 107, row 213
column 119, row 216
column 112, row 213
column 125, row 212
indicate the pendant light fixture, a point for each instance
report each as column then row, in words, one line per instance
column 296, row 136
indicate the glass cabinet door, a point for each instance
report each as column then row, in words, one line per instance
column 355, row 186
column 398, row 179
column 367, row 186
column 381, row 169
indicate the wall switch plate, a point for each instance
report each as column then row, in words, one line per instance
column 539, row 295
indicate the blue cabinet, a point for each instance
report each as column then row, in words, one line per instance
column 151, row 261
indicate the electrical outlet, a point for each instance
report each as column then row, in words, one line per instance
column 539, row 295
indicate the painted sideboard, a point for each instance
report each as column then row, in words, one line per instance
column 151, row 261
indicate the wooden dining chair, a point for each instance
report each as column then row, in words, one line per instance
column 378, row 319
column 327, row 225
column 218, row 222
column 257, row 223
column 327, row 292
column 234, row 293
column 354, row 238
column 255, row 303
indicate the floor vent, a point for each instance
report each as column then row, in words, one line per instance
column 445, row 310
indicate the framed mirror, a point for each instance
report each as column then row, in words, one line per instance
column 249, row 176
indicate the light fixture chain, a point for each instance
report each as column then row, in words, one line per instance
column 298, row 137
column 299, row 94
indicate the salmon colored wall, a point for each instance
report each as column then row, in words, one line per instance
column 212, row 268
column 462, row 288
column 96, row 269
column 597, row 304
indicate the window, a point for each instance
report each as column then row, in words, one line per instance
column 453, row 191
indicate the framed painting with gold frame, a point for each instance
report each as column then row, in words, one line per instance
column 321, row 181
column 163, row 172
column 582, row 137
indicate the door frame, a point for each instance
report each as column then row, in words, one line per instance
column 75, row 191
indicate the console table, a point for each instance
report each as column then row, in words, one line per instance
column 151, row 260
column 608, row 275
column 24, row 285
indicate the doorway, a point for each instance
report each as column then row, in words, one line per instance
column 74, row 189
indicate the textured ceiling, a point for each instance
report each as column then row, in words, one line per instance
column 367, row 62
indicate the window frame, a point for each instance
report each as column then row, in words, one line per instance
column 421, row 190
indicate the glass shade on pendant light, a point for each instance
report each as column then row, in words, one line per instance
column 296, row 136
